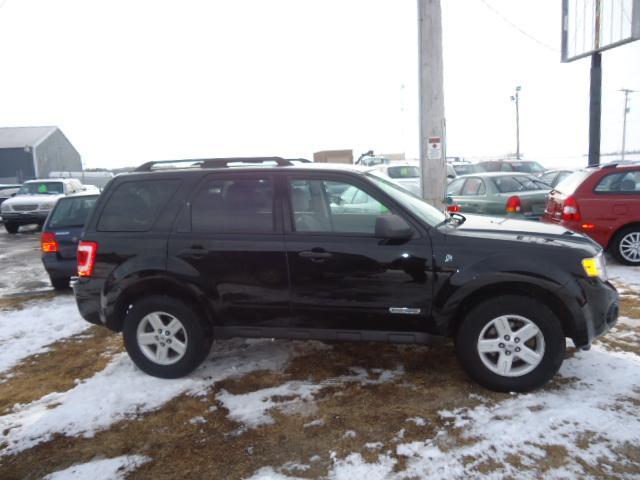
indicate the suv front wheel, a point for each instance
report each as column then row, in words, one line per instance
column 164, row 337
column 511, row 344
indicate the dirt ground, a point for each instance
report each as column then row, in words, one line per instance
column 197, row 436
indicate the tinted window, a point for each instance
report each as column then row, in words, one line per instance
column 548, row 178
column 71, row 212
column 135, row 206
column 315, row 209
column 403, row 172
column 624, row 182
column 474, row 187
column 34, row 188
column 239, row 205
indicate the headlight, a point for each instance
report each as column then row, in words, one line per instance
column 595, row 266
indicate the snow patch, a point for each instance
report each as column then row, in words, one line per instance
column 33, row 329
column 105, row 469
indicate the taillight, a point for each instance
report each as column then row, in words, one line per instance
column 453, row 208
column 48, row 242
column 570, row 210
column 86, row 258
column 514, row 205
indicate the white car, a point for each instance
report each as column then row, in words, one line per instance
column 34, row 201
column 405, row 174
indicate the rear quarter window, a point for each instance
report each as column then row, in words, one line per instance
column 135, row 206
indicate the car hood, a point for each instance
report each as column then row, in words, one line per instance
column 31, row 199
column 521, row 230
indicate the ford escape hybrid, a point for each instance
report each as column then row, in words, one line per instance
column 177, row 257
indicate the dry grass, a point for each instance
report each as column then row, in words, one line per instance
column 432, row 381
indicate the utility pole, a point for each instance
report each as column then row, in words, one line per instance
column 516, row 98
column 626, row 92
column 432, row 125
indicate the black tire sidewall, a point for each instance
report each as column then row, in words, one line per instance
column 615, row 245
column 532, row 309
column 198, row 341
column 11, row 227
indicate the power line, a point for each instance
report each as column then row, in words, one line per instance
column 513, row 25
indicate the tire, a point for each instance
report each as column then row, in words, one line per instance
column 544, row 351
column 11, row 227
column 141, row 325
column 625, row 246
column 60, row 283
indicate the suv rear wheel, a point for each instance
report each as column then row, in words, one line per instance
column 164, row 337
column 511, row 344
column 625, row 246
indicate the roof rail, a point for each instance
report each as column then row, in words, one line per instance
column 222, row 162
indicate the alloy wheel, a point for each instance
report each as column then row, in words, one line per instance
column 630, row 247
column 162, row 338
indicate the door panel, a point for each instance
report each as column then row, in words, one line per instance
column 342, row 275
column 235, row 251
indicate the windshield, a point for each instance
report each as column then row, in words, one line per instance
column 42, row 188
column 72, row 211
column 405, row 171
column 572, row 182
column 430, row 215
column 466, row 169
column 527, row 167
column 509, row 184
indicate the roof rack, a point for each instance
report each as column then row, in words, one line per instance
column 222, row 163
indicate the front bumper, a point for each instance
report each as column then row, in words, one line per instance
column 594, row 306
column 24, row 218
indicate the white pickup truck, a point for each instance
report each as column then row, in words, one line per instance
column 34, row 201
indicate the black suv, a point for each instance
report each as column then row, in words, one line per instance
column 177, row 257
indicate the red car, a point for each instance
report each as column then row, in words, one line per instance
column 603, row 203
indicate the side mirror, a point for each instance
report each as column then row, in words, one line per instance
column 393, row 227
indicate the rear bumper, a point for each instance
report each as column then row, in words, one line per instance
column 594, row 306
column 58, row 267
column 87, row 295
column 24, row 218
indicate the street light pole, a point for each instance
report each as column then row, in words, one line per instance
column 516, row 98
column 626, row 92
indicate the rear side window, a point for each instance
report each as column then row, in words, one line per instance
column 71, row 212
column 474, row 187
column 135, row 206
column 242, row 205
column 624, row 182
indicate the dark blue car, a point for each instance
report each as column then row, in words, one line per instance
column 60, row 236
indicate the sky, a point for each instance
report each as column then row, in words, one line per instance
column 132, row 81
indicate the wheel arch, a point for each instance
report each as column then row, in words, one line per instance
column 165, row 286
column 620, row 229
column 536, row 292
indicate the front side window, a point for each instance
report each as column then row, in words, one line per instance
column 316, row 209
column 234, row 205
column 624, row 182
column 135, row 206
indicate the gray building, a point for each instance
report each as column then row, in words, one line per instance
column 27, row 153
